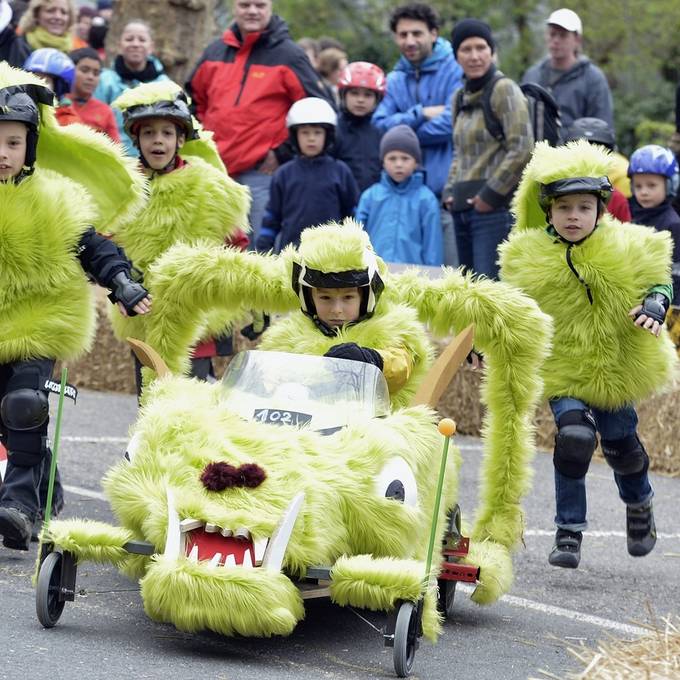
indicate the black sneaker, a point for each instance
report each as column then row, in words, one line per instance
column 15, row 528
column 567, row 549
column 640, row 530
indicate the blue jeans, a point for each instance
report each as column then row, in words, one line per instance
column 570, row 494
column 478, row 236
column 259, row 184
column 451, row 258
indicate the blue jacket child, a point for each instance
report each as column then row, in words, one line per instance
column 410, row 88
column 400, row 213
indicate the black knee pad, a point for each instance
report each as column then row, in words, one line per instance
column 626, row 456
column 25, row 413
column 575, row 443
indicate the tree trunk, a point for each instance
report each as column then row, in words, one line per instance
column 181, row 30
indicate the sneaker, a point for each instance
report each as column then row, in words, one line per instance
column 567, row 549
column 640, row 530
column 15, row 528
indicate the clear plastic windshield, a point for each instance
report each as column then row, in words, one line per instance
column 319, row 393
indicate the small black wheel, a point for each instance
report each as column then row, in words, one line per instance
column 447, row 593
column 405, row 639
column 48, row 605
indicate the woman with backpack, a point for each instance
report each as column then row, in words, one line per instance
column 486, row 168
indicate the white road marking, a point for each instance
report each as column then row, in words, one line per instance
column 594, row 534
column 598, row 621
column 88, row 493
column 96, row 440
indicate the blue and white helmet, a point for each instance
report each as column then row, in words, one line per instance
column 656, row 160
column 50, row 62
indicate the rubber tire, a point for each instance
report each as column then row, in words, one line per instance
column 405, row 635
column 48, row 606
column 447, row 593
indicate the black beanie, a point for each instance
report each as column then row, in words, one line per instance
column 401, row 138
column 471, row 28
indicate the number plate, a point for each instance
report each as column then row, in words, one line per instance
column 277, row 417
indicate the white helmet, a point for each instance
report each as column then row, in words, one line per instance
column 311, row 111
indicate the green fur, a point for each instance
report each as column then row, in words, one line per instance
column 600, row 356
column 46, row 304
column 495, row 577
column 195, row 204
column 90, row 540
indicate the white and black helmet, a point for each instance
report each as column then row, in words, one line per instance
column 312, row 111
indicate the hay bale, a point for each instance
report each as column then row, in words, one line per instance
column 655, row 656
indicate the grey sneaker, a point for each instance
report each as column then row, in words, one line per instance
column 15, row 528
column 640, row 530
column 566, row 551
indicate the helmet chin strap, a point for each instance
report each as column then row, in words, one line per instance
column 167, row 168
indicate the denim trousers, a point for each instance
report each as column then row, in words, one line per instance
column 451, row 258
column 259, row 185
column 570, row 494
column 478, row 236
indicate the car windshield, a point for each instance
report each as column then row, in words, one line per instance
column 305, row 391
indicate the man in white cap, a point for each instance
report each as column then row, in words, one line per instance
column 579, row 87
column 12, row 48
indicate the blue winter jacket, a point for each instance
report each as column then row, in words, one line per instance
column 111, row 86
column 409, row 89
column 403, row 220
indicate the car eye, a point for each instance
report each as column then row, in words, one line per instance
column 397, row 482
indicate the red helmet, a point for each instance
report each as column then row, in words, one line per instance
column 363, row 74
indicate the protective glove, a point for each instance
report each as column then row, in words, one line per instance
column 350, row 350
column 127, row 292
column 655, row 306
column 255, row 329
column 264, row 243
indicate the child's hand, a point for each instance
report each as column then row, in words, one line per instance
column 644, row 321
column 142, row 307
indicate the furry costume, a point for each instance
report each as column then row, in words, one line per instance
column 602, row 358
column 46, row 306
column 196, row 203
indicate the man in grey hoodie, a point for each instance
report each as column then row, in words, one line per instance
column 579, row 87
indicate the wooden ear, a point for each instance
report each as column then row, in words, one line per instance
column 148, row 357
column 444, row 368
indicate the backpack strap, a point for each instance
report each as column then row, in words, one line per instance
column 491, row 121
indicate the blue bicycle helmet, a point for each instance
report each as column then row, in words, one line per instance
column 656, row 160
column 50, row 62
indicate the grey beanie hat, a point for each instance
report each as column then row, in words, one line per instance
column 401, row 138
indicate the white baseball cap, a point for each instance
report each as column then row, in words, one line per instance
column 566, row 19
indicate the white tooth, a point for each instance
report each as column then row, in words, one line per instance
column 215, row 561
column 242, row 532
column 173, row 537
column 190, row 524
column 259, row 547
column 193, row 555
column 230, row 561
column 226, row 533
column 211, row 528
column 273, row 556
column 247, row 560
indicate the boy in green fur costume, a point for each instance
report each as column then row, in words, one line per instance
column 191, row 197
column 607, row 286
column 47, row 244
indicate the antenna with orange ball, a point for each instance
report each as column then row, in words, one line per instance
column 447, row 428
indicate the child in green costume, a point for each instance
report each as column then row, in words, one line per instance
column 607, row 286
column 191, row 196
column 51, row 193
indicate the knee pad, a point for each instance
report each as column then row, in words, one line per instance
column 25, row 413
column 575, row 443
column 626, row 456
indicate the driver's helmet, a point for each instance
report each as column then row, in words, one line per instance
column 337, row 256
column 163, row 99
column 51, row 62
column 600, row 187
column 656, row 160
column 311, row 111
column 595, row 130
column 363, row 74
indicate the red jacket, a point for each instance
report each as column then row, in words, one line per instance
column 93, row 113
column 618, row 207
column 242, row 90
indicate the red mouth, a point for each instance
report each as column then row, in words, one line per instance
column 210, row 544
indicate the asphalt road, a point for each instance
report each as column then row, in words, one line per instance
column 105, row 633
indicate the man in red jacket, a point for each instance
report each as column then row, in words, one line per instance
column 242, row 87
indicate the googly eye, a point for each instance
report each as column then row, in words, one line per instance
column 397, row 482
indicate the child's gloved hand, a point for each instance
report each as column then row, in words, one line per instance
column 651, row 313
column 350, row 350
column 132, row 298
column 264, row 243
